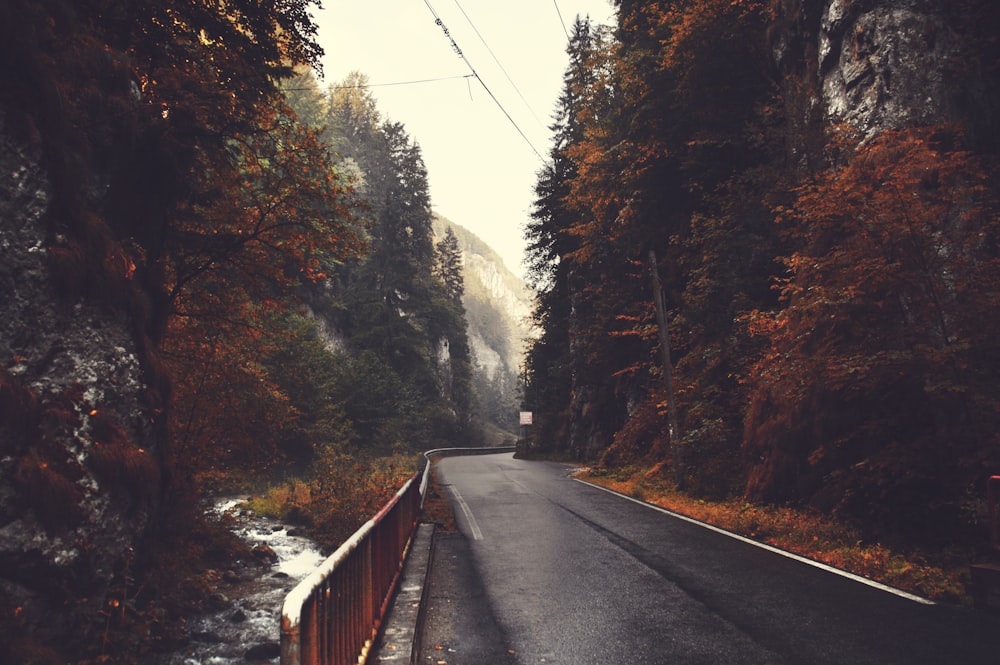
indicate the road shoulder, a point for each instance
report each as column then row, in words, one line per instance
column 459, row 626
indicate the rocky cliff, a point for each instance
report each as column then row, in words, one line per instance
column 883, row 65
column 79, row 478
column 497, row 308
column 497, row 303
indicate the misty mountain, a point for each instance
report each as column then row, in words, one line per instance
column 497, row 305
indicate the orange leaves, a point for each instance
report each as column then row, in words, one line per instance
column 349, row 489
column 874, row 356
column 761, row 324
column 276, row 214
column 893, row 225
column 227, row 410
column 803, row 532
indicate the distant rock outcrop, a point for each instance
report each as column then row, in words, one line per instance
column 497, row 307
column 497, row 302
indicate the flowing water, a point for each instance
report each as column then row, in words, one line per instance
column 246, row 628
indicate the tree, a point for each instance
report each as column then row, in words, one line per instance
column 874, row 397
column 560, row 371
column 663, row 130
column 181, row 192
column 448, row 265
column 402, row 301
column 304, row 97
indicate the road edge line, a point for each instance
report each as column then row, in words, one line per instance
column 477, row 533
column 770, row 548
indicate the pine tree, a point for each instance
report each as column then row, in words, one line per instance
column 448, row 265
column 549, row 363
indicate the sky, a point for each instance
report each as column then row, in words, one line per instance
column 481, row 171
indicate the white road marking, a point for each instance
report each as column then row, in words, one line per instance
column 770, row 548
column 477, row 533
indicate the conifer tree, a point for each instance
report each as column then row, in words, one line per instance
column 549, row 362
column 448, row 266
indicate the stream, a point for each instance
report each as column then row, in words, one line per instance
column 246, row 628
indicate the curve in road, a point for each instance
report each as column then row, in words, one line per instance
column 551, row 570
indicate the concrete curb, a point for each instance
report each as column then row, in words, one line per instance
column 399, row 639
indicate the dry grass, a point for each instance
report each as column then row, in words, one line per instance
column 437, row 507
column 938, row 576
column 341, row 493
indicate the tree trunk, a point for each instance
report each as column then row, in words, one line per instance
column 668, row 368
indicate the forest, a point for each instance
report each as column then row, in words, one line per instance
column 242, row 291
column 828, row 280
column 765, row 248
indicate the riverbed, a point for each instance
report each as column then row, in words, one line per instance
column 246, row 627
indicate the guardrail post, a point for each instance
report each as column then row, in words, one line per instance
column 290, row 643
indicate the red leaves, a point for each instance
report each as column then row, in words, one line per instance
column 879, row 343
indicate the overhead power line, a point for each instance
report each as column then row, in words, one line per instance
column 500, row 65
column 558, row 11
column 458, row 51
column 385, row 85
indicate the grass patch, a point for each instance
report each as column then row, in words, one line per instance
column 286, row 501
column 939, row 576
column 341, row 493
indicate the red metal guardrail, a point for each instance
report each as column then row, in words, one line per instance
column 333, row 616
column 993, row 500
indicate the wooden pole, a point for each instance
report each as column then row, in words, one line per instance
column 668, row 368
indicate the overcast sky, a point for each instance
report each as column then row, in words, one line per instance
column 481, row 171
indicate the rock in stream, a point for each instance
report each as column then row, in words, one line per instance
column 244, row 626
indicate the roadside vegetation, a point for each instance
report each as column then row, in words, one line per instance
column 812, row 331
column 340, row 495
column 939, row 575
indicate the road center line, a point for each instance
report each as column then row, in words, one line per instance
column 477, row 533
column 769, row 548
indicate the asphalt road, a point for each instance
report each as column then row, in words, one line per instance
column 547, row 569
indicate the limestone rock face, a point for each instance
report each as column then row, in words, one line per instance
column 78, row 478
column 511, row 300
column 497, row 303
column 877, row 65
column 887, row 66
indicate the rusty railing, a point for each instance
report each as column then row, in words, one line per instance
column 333, row 616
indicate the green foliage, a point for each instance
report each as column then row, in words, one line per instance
column 448, row 265
column 305, row 369
column 492, row 391
column 567, row 366
column 191, row 196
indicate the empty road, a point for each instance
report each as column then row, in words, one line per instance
column 547, row 569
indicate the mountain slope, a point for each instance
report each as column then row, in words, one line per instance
column 497, row 305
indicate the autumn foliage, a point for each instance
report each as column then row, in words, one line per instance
column 275, row 271
column 831, row 290
column 874, row 395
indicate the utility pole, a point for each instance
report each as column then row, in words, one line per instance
column 668, row 368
